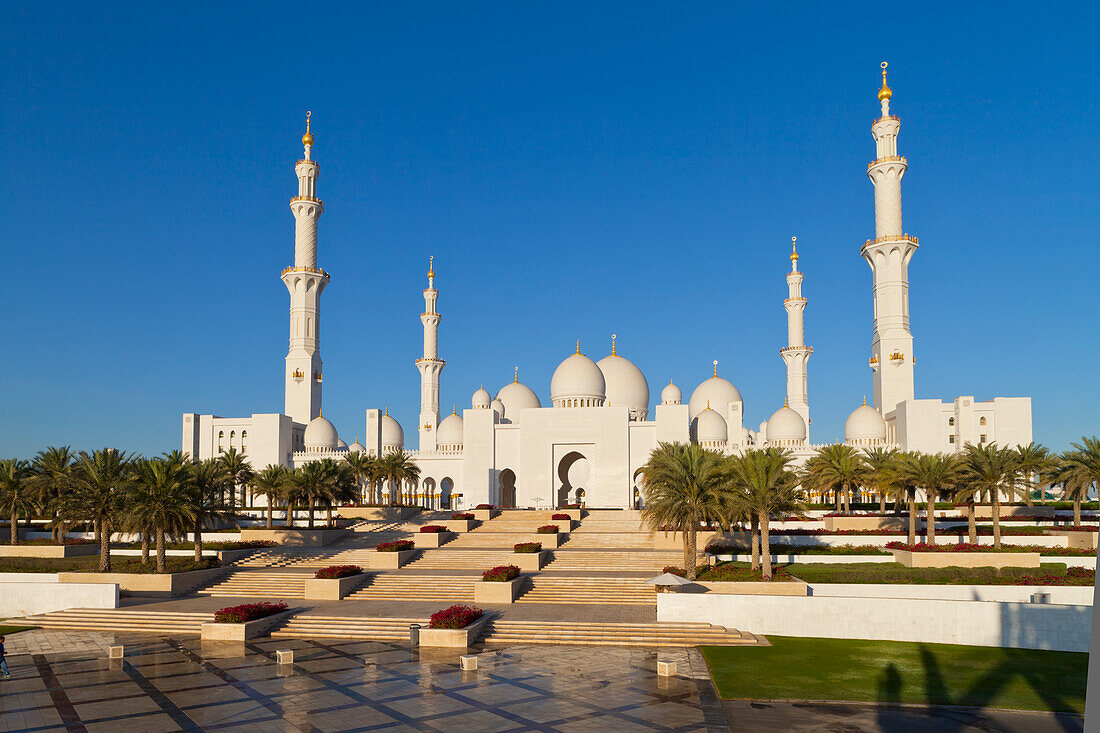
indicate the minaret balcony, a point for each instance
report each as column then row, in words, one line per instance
column 308, row 200
column 888, row 159
column 805, row 348
column 314, row 270
column 891, row 238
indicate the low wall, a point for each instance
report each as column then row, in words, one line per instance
column 48, row 551
column 288, row 537
column 148, row 585
column 877, row 540
column 45, row 594
column 1070, row 595
column 1069, row 561
column 975, row 623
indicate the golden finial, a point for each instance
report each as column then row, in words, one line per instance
column 431, row 266
column 708, row 404
column 884, row 93
column 864, row 400
column 387, row 412
column 613, row 345
column 307, row 139
column 716, row 367
column 785, row 402
column 578, row 346
column 516, row 380
column 454, row 409
column 794, row 249
column 320, row 412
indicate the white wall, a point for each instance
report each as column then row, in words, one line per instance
column 31, row 595
column 977, row 623
column 1073, row 595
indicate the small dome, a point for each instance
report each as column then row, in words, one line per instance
column 717, row 391
column 450, row 430
column 625, row 385
column 578, row 378
column 498, row 407
column 356, row 447
column 709, row 427
column 341, row 445
column 392, row 434
column 671, row 394
column 865, row 424
column 481, row 399
column 320, row 435
column 786, row 424
column 517, row 396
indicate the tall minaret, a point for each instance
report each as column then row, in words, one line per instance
column 796, row 353
column 430, row 365
column 305, row 281
column 888, row 254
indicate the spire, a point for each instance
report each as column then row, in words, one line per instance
column 884, row 93
column 431, row 270
column 716, row 367
column 387, row 412
column 307, row 139
column 785, row 404
column 578, row 346
column 864, row 400
column 794, row 254
column 516, row 379
column 613, row 345
column 454, row 409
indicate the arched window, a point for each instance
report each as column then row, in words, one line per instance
column 950, row 422
column 244, row 439
column 982, row 421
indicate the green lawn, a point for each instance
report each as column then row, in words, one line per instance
column 8, row 630
column 894, row 671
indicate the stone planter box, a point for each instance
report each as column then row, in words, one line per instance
column 489, row 591
column 333, row 589
column 295, row 537
column 752, row 588
column 675, row 540
column 48, row 551
column 389, row 560
column 242, row 632
column 530, row 562
column 227, row 556
column 453, row 638
column 378, row 513
column 483, row 515
column 966, row 559
column 574, row 514
column 148, row 585
column 460, row 525
column 564, row 525
column 834, row 524
column 431, row 539
column 547, row 540
column 1086, row 540
column 985, row 511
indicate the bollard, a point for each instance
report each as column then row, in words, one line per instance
column 414, row 634
column 469, row 662
column 284, row 656
column 666, row 669
column 114, row 652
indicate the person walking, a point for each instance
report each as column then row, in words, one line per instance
column 3, row 659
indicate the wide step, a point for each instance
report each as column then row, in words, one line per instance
column 587, row 634
column 345, row 627
column 150, row 622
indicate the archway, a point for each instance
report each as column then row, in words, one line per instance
column 573, row 473
column 508, row 488
column 428, row 490
column 446, row 486
column 639, row 484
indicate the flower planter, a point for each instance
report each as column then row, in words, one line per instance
column 834, row 524
column 564, row 525
column 547, row 540
column 48, row 551
column 756, row 588
column 242, row 632
column 483, row 515
column 454, row 638
column 488, row 591
column 1086, row 540
column 148, row 585
column 912, row 559
column 295, row 537
column 530, row 562
column 334, row 589
column 431, row 539
column 574, row 514
column 389, row 560
column 460, row 525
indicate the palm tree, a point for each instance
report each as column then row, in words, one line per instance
column 239, row 474
column 1033, row 459
column 683, row 484
column 989, row 469
column 904, row 489
column 161, row 499
column 100, row 480
column 338, row 486
column 270, row 483
column 52, row 475
column 310, row 482
column 18, row 494
column 362, row 469
column 838, row 467
column 208, row 481
column 880, row 462
column 769, row 487
column 1081, row 473
column 935, row 473
column 399, row 469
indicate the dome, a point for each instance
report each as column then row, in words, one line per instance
column 864, row 424
column 671, row 394
column 450, row 430
column 578, row 378
column 717, row 391
column 356, row 447
column 341, row 445
column 625, row 385
column 498, row 407
column 392, row 434
column 786, row 424
column 709, row 427
column 320, row 435
column 481, row 399
column 517, row 396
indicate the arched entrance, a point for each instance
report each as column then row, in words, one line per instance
column 574, row 473
column 507, row 489
column 446, row 486
column 639, row 480
column 427, row 490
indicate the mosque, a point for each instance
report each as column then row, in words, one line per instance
column 589, row 444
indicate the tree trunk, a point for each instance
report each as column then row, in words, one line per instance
column 14, row 526
column 162, row 561
column 144, row 547
column 913, row 520
column 104, row 546
column 847, row 499
column 996, row 519
column 930, row 519
column 328, row 516
column 311, row 512
column 1077, row 511
column 754, row 524
column 270, row 511
column 837, row 493
column 689, row 551
column 882, row 503
column 765, row 547
column 198, row 540
column 972, row 527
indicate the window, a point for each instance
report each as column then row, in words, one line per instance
column 951, row 439
column 982, row 438
column 950, row 422
column 982, row 421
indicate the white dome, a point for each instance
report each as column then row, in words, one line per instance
column 786, row 424
column 716, row 391
column 864, row 424
column 498, row 407
column 578, row 377
column 356, row 448
column 392, row 434
column 517, row 396
column 671, row 394
column 481, row 399
column 709, row 427
column 450, row 430
column 625, row 385
column 320, row 435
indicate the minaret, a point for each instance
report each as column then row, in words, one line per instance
column 430, row 365
column 888, row 254
column 796, row 353
column 305, row 281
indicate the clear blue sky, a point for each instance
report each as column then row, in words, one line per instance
column 576, row 169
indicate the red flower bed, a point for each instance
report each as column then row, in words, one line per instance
column 561, row 517
column 527, row 547
column 547, row 529
column 332, row 572
column 1079, row 528
column 462, row 515
column 247, row 612
column 484, row 506
column 396, row 546
column 455, row 617
column 501, row 573
column 432, row 529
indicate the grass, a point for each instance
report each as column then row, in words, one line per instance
column 905, row 672
column 6, row 630
column 89, row 564
column 892, row 572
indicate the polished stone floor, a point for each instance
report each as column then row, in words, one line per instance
column 62, row 681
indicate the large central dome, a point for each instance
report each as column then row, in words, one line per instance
column 626, row 386
column 578, row 382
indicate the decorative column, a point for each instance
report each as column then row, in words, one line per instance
column 888, row 254
column 796, row 353
column 430, row 365
column 305, row 281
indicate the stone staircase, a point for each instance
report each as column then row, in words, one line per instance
column 257, row 583
column 445, row 559
column 347, row 627
column 499, row 631
column 397, row 586
column 566, row 558
column 588, row 591
column 101, row 619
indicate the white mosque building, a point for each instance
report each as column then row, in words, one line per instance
column 590, row 442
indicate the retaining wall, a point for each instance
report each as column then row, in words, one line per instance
column 41, row 593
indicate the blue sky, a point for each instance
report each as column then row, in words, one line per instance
column 577, row 170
